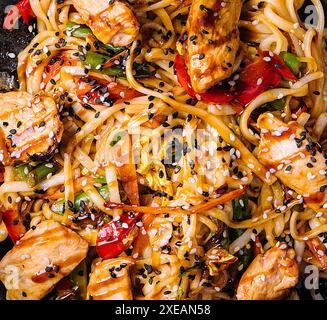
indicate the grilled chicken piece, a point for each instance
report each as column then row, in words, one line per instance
column 110, row 280
column 111, row 23
column 269, row 276
column 30, row 127
column 299, row 162
column 40, row 259
column 213, row 41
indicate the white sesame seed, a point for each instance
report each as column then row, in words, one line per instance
column 259, row 81
column 310, row 176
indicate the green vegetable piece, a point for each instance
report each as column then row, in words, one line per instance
column 59, row 206
column 82, row 196
column 102, row 180
column 292, row 61
column 241, row 210
column 271, row 106
column 78, row 31
column 41, row 172
column 104, row 192
column 278, row 104
column 22, row 171
column 96, row 60
column 180, row 292
column 112, row 48
column 117, row 139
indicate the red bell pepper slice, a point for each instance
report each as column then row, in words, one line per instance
column 117, row 236
column 92, row 88
column 182, row 75
column 254, row 79
column 21, row 9
column 214, row 95
column 279, row 65
column 14, row 224
column 267, row 71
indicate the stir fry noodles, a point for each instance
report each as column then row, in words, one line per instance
column 165, row 150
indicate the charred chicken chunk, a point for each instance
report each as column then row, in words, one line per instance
column 269, row 276
column 295, row 158
column 110, row 280
column 40, row 259
column 113, row 23
column 30, row 127
column 213, row 41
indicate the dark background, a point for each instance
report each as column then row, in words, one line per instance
column 14, row 42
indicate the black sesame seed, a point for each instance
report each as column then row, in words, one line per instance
column 148, row 268
column 48, row 268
